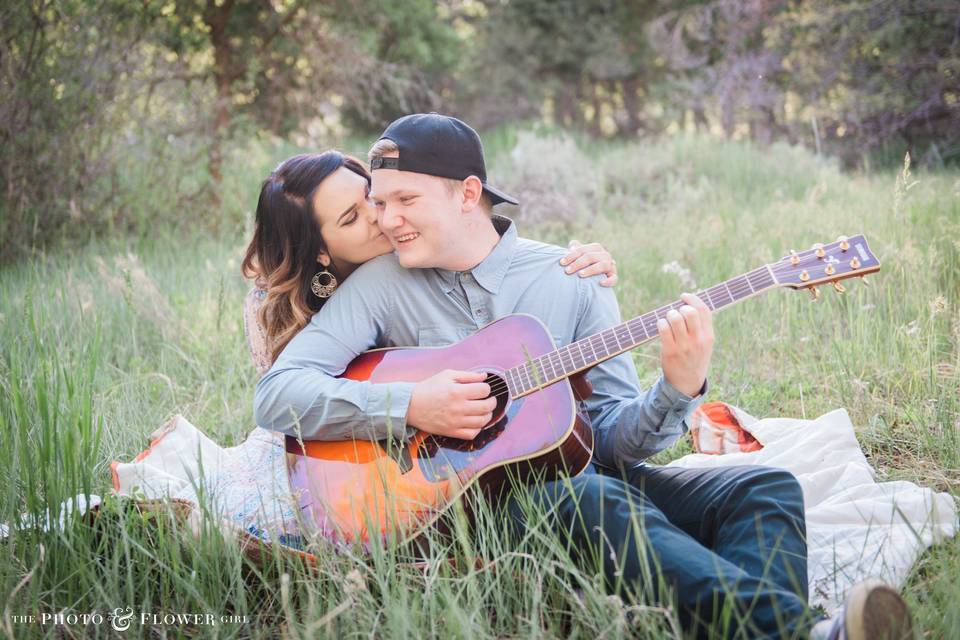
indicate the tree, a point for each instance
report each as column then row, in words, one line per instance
column 61, row 65
column 587, row 60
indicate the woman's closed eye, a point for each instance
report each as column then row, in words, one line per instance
column 349, row 216
column 353, row 214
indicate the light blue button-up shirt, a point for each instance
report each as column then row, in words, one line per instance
column 383, row 304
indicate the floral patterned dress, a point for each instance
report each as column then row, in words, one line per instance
column 245, row 486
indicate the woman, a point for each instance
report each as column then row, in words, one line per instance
column 315, row 224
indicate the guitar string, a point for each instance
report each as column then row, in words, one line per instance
column 646, row 321
column 737, row 288
column 742, row 286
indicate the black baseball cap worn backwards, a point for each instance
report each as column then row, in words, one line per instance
column 441, row 146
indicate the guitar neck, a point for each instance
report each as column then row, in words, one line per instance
column 544, row 370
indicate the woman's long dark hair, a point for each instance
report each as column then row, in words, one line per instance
column 282, row 255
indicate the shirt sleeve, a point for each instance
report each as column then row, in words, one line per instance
column 301, row 396
column 628, row 425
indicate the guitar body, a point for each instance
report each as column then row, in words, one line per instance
column 362, row 490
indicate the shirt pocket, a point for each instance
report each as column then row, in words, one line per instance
column 442, row 335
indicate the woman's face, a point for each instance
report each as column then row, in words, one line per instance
column 348, row 221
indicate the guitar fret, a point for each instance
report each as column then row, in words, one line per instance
column 767, row 273
column 725, row 289
column 563, row 363
column 544, row 361
column 583, row 358
column 606, row 346
column 552, row 373
column 541, row 367
column 629, row 339
column 761, row 275
column 595, row 342
column 592, row 348
column 573, row 357
column 649, row 324
column 592, row 341
column 646, row 335
column 525, row 371
column 709, row 301
column 773, row 278
column 739, row 287
column 617, row 338
column 729, row 293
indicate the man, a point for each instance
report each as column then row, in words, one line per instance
column 721, row 537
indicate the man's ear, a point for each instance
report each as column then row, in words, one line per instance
column 472, row 192
column 324, row 259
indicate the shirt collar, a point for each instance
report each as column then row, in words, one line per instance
column 491, row 270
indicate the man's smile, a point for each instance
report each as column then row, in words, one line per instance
column 407, row 237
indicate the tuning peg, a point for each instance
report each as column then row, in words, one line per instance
column 844, row 245
column 814, row 293
column 839, row 288
column 855, row 263
column 819, row 250
column 794, row 258
column 865, row 281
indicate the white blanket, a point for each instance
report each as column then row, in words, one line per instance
column 856, row 527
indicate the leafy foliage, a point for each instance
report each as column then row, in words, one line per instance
column 130, row 117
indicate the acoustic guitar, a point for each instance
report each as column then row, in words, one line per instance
column 361, row 490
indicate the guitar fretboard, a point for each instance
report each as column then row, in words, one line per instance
column 561, row 363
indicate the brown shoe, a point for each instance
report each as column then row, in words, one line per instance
column 873, row 610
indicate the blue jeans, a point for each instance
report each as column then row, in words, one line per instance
column 713, row 542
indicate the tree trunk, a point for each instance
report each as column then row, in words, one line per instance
column 596, row 129
column 631, row 103
column 216, row 18
column 566, row 105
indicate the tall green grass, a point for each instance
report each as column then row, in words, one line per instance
column 101, row 345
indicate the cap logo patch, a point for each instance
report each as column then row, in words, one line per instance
column 385, row 163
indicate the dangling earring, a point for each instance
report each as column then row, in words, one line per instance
column 323, row 290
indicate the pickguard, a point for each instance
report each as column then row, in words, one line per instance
column 439, row 456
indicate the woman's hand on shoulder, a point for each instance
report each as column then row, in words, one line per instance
column 590, row 259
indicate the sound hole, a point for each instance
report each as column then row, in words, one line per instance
column 498, row 390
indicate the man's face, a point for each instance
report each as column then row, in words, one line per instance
column 420, row 215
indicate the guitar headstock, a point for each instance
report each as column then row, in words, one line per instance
column 827, row 263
